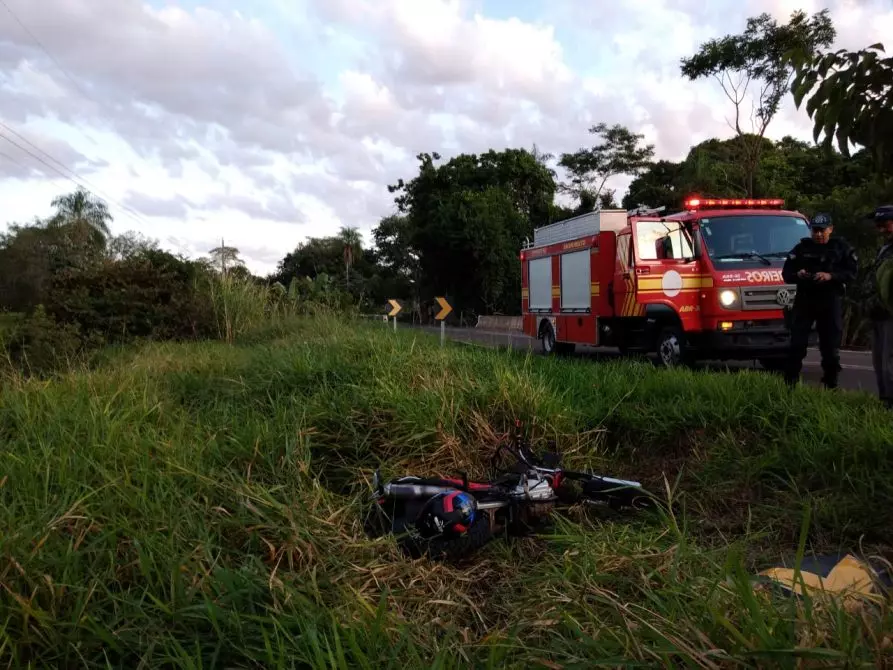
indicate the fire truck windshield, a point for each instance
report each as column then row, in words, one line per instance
column 735, row 238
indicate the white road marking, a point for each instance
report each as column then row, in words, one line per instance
column 810, row 364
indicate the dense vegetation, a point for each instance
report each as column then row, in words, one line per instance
column 200, row 505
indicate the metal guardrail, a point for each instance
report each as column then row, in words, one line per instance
column 482, row 321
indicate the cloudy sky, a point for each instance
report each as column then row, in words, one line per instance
column 262, row 122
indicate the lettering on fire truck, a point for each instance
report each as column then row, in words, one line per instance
column 754, row 276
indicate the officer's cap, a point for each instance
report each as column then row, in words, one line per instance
column 883, row 214
column 820, row 221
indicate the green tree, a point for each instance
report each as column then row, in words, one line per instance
column 397, row 259
column 661, row 185
column 150, row 294
column 620, row 152
column 849, row 98
column 86, row 215
column 225, row 258
column 325, row 256
column 76, row 235
column 473, row 212
column 758, row 57
column 311, row 258
column 128, row 244
column 606, row 199
column 29, row 254
column 393, row 245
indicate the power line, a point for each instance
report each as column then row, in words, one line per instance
column 135, row 216
column 93, row 190
column 127, row 210
column 57, row 171
column 34, row 146
column 45, row 50
column 22, row 165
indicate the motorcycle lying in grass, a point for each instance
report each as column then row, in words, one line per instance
column 446, row 518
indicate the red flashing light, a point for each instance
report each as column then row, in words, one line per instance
column 719, row 203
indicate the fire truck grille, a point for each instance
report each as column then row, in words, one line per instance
column 769, row 297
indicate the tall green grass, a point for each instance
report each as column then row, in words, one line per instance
column 240, row 304
column 198, row 505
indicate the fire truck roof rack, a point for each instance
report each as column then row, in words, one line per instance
column 583, row 225
column 645, row 210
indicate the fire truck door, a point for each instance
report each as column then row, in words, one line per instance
column 623, row 291
column 663, row 257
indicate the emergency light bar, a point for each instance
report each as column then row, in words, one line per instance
column 715, row 203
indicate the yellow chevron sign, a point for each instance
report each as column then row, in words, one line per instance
column 445, row 309
column 395, row 307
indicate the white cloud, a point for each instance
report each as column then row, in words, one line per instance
column 289, row 119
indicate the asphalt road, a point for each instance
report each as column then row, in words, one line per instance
column 857, row 371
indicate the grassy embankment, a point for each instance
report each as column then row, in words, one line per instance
column 197, row 506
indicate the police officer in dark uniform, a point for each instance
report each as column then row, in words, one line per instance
column 821, row 267
column 880, row 309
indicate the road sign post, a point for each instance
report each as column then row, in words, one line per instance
column 395, row 310
column 445, row 309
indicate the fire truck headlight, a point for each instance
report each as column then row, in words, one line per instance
column 728, row 298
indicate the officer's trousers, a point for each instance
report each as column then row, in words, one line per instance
column 826, row 312
column 882, row 358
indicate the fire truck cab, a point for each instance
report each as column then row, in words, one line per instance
column 703, row 283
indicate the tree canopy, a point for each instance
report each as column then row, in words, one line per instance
column 849, row 97
column 621, row 152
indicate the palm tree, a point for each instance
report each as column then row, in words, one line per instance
column 352, row 241
column 84, row 213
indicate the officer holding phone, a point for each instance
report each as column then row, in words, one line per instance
column 820, row 266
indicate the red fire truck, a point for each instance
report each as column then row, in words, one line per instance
column 704, row 283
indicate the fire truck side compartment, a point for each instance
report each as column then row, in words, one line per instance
column 540, row 280
column 576, row 281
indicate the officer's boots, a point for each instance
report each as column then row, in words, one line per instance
column 830, row 378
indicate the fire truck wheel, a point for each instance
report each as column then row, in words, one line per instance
column 547, row 338
column 550, row 345
column 671, row 350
